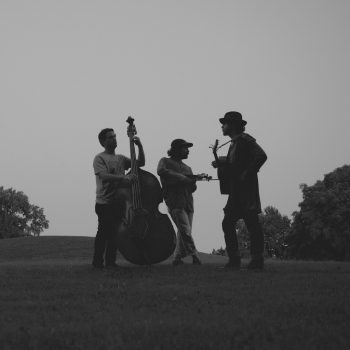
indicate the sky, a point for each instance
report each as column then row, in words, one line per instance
column 69, row 68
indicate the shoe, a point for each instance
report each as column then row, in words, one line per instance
column 233, row 263
column 256, row 264
column 177, row 262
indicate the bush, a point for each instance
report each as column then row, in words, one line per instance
column 321, row 228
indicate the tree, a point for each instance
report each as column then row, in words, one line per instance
column 275, row 227
column 220, row 251
column 18, row 217
column 321, row 228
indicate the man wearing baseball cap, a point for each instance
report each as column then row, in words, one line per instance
column 178, row 187
column 244, row 159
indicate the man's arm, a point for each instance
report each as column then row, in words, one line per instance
column 101, row 171
column 118, row 179
column 141, row 156
column 171, row 176
column 258, row 158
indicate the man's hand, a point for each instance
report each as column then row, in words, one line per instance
column 137, row 141
column 129, row 179
column 188, row 180
column 214, row 164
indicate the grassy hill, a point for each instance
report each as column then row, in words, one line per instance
column 51, row 298
column 31, row 249
column 63, row 248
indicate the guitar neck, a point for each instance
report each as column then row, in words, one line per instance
column 216, row 156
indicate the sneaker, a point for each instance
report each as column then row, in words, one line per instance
column 177, row 262
column 256, row 264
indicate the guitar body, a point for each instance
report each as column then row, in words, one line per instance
column 223, row 176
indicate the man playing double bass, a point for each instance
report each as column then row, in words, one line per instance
column 178, row 185
column 244, row 159
column 109, row 169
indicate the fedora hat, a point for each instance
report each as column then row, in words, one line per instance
column 233, row 118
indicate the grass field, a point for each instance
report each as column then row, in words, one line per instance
column 51, row 298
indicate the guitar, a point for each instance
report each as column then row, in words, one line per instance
column 221, row 165
column 201, row 177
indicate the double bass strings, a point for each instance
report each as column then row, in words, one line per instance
column 136, row 192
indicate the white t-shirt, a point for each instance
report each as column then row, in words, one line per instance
column 106, row 191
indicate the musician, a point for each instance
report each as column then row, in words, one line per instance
column 109, row 169
column 177, row 190
column 244, row 159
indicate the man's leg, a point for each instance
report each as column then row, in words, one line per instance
column 114, row 217
column 195, row 257
column 231, row 241
column 184, row 245
column 100, row 239
column 251, row 220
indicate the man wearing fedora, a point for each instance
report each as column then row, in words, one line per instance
column 178, row 187
column 244, row 159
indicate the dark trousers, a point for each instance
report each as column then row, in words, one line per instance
column 109, row 216
column 251, row 220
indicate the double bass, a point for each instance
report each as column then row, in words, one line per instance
column 145, row 235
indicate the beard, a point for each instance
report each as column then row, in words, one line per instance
column 184, row 155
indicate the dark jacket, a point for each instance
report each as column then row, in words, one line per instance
column 244, row 159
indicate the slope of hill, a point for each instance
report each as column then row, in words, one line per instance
column 47, row 247
column 61, row 248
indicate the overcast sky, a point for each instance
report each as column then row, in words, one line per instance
column 69, row 68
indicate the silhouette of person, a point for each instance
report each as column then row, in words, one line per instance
column 109, row 169
column 177, row 190
column 244, row 159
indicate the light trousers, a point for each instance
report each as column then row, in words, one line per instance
column 184, row 244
